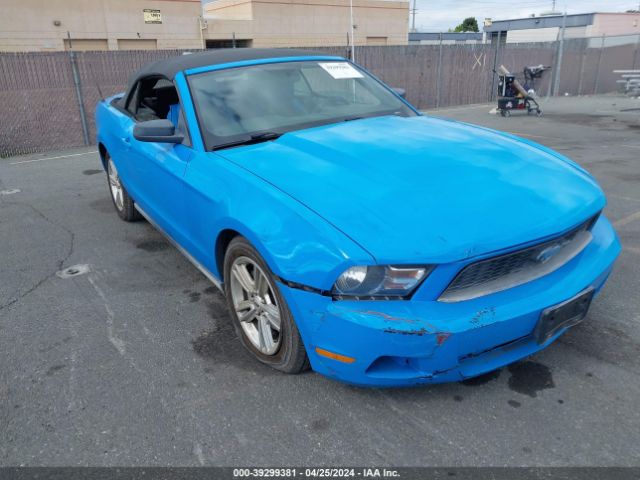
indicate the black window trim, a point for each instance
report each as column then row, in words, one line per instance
column 122, row 105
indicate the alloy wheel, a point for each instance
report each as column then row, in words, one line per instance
column 115, row 185
column 256, row 305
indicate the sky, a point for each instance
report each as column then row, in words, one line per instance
column 440, row 15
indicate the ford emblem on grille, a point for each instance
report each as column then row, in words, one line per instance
column 548, row 252
column 515, row 268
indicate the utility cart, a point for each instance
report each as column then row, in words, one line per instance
column 513, row 95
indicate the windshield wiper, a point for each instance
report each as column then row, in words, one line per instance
column 371, row 115
column 262, row 137
column 255, row 138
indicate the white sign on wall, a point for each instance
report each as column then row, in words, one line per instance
column 152, row 16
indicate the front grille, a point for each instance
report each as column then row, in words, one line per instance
column 512, row 269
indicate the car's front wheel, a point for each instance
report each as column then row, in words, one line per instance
column 121, row 200
column 259, row 312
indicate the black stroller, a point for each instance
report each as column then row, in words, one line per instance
column 512, row 95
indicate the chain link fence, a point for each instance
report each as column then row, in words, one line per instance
column 47, row 100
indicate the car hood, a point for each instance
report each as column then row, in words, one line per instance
column 423, row 189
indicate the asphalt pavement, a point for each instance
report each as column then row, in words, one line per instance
column 129, row 358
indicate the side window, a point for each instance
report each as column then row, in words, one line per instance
column 153, row 99
column 157, row 98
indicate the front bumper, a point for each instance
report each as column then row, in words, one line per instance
column 397, row 343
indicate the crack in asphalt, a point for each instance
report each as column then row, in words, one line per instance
column 60, row 262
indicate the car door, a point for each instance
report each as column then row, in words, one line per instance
column 156, row 169
column 158, row 172
column 126, row 158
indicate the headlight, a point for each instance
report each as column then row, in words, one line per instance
column 379, row 281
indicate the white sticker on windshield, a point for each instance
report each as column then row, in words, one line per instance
column 340, row 70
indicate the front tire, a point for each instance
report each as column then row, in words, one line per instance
column 123, row 203
column 259, row 312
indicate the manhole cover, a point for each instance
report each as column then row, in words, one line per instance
column 74, row 271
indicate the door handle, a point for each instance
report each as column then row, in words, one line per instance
column 126, row 139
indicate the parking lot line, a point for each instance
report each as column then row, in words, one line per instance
column 534, row 136
column 433, row 111
column 631, row 199
column 626, row 220
column 53, row 158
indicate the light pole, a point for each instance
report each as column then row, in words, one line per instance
column 353, row 43
column 202, row 23
column 413, row 16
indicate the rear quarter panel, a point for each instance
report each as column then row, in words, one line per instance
column 108, row 125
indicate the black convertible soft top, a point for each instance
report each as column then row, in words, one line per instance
column 169, row 67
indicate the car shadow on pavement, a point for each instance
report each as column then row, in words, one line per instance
column 219, row 344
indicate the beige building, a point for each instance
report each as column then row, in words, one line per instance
column 40, row 25
column 48, row 25
column 313, row 23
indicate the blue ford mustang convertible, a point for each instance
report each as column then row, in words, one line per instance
column 347, row 231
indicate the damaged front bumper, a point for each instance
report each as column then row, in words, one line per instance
column 395, row 343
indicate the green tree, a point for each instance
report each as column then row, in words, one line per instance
column 469, row 24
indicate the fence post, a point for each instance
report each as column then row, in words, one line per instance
column 585, row 46
column 635, row 53
column 552, row 80
column 78, row 89
column 439, row 74
column 597, row 80
column 556, row 83
column 493, row 70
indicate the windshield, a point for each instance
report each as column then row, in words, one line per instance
column 241, row 105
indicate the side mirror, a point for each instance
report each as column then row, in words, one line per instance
column 162, row 131
column 400, row 91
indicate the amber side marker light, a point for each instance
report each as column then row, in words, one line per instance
column 334, row 356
